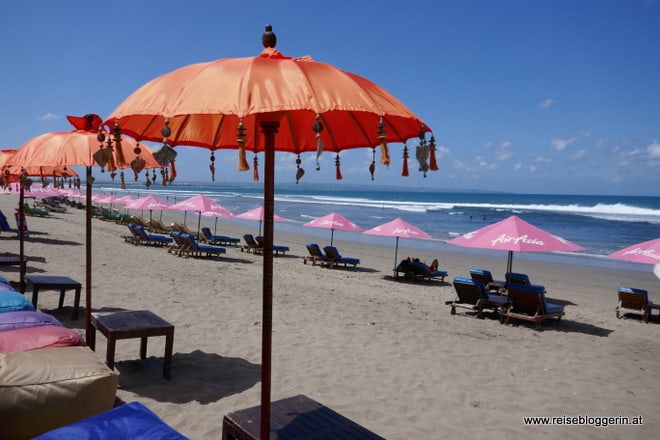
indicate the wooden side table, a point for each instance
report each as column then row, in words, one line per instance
column 133, row 324
column 49, row 282
column 294, row 418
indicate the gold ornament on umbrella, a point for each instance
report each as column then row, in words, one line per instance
column 382, row 137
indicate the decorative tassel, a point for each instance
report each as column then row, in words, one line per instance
column 43, row 178
column 433, row 164
column 318, row 128
column 255, row 169
column 337, row 168
column 172, row 172
column 299, row 172
column 123, row 181
column 212, row 166
column 404, row 172
column 372, row 167
column 240, row 140
column 163, row 176
column 382, row 137
column 119, row 152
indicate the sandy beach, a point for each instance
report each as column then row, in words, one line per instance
column 386, row 354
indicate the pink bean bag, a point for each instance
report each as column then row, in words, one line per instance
column 31, row 338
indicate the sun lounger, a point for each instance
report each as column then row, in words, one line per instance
column 316, row 255
column 139, row 221
column 277, row 249
column 335, row 258
column 159, row 227
column 179, row 246
column 486, row 277
column 634, row 301
column 222, row 240
column 417, row 270
column 35, row 212
column 251, row 244
column 528, row 303
column 143, row 237
column 520, row 279
column 472, row 295
column 200, row 250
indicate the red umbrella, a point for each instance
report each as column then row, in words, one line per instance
column 259, row 214
column 398, row 228
column 83, row 146
column 334, row 221
column 514, row 234
column 200, row 203
column 267, row 103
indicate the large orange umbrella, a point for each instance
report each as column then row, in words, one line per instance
column 88, row 145
column 266, row 103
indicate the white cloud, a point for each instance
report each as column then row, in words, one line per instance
column 48, row 117
column 580, row 154
column 547, row 103
column 560, row 144
column 504, row 151
column 654, row 150
column 542, row 159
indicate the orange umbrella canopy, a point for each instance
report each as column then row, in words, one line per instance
column 81, row 147
column 220, row 104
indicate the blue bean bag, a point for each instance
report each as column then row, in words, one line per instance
column 12, row 301
column 129, row 421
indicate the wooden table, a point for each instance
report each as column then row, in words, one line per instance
column 294, row 418
column 133, row 324
column 49, row 282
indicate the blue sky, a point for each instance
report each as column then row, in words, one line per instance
column 545, row 96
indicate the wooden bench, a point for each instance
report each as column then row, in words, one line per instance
column 294, row 418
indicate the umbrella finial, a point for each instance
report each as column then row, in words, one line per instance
column 268, row 38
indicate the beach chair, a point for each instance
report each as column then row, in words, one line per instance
column 158, row 227
column 528, row 303
column 196, row 249
column 135, row 237
column 222, row 240
column 139, row 221
column 179, row 246
column 277, row 249
column 486, row 277
column 634, row 301
column 472, row 295
column 316, row 255
column 520, row 279
column 335, row 258
column 35, row 212
column 251, row 244
column 151, row 239
column 418, row 271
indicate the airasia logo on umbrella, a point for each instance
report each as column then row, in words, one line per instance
column 643, row 252
column 524, row 239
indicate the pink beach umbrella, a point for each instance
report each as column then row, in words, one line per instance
column 334, row 221
column 258, row 214
column 647, row 252
column 200, row 203
column 398, row 228
column 513, row 234
column 150, row 202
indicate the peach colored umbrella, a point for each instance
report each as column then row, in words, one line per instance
column 87, row 145
column 266, row 103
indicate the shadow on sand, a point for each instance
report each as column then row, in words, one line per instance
column 196, row 376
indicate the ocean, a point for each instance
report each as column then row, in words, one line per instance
column 600, row 224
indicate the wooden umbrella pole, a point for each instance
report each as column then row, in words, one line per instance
column 21, row 236
column 269, row 129
column 88, row 259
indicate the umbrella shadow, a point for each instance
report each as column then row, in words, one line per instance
column 568, row 326
column 196, row 376
column 417, row 281
column 54, row 241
